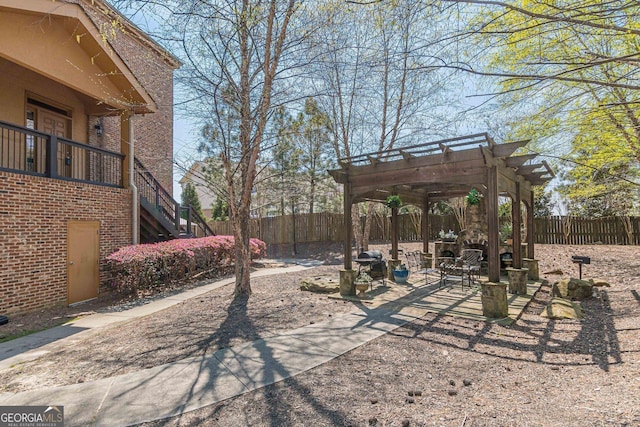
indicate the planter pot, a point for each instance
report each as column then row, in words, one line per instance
column 361, row 287
column 400, row 276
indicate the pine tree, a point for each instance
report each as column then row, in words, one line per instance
column 190, row 198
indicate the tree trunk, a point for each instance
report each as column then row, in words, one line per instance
column 243, row 252
column 367, row 226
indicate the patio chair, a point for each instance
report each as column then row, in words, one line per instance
column 414, row 264
column 470, row 261
column 411, row 261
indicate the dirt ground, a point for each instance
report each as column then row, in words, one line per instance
column 438, row 370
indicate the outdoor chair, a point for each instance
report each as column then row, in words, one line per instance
column 470, row 261
column 415, row 265
column 424, row 265
column 465, row 266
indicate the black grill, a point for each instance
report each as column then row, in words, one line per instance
column 373, row 259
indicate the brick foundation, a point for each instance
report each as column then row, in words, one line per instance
column 33, row 241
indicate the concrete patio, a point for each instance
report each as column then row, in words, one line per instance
column 418, row 296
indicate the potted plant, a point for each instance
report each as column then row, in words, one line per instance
column 449, row 236
column 394, row 201
column 473, row 198
column 506, row 233
column 361, row 283
column 400, row 274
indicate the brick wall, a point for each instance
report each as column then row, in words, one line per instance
column 33, row 241
column 153, row 133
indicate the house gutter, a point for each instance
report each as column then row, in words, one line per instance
column 132, row 184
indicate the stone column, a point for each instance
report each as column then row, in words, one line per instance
column 517, row 280
column 347, row 286
column 532, row 265
column 494, row 300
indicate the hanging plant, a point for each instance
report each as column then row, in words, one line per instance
column 473, row 198
column 394, row 201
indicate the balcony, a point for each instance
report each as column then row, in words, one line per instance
column 36, row 153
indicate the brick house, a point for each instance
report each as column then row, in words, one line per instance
column 86, row 147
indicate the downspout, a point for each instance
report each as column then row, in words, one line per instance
column 132, row 184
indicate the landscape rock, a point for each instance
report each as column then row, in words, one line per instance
column 600, row 283
column 573, row 289
column 321, row 284
column 560, row 308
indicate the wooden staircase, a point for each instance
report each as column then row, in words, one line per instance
column 161, row 217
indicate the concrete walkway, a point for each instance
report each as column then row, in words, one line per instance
column 193, row 383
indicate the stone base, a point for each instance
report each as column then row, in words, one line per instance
column 518, row 280
column 494, row 300
column 347, row 286
column 532, row 265
column 391, row 265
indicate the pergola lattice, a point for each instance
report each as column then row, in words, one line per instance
column 438, row 170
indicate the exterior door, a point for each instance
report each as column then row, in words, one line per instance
column 58, row 125
column 83, row 258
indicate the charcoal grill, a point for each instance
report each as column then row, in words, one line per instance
column 577, row 259
column 375, row 264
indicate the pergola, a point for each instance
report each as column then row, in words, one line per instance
column 438, row 170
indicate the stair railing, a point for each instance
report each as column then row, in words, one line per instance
column 165, row 205
column 193, row 217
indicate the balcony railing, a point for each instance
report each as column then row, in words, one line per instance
column 32, row 152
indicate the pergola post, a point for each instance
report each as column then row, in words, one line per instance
column 424, row 225
column 530, row 227
column 348, row 227
column 394, row 233
column 492, row 224
column 516, row 219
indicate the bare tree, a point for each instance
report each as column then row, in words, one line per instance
column 232, row 52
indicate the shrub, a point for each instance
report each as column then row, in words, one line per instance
column 139, row 267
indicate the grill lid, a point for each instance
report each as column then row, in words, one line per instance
column 370, row 254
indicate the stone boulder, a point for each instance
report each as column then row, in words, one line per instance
column 321, row 284
column 573, row 289
column 560, row 308
column 599, row 283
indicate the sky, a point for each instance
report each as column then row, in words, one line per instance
column 184, row 143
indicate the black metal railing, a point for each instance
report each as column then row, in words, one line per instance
column 32, row 152
column 165, row 206
column 195, row 226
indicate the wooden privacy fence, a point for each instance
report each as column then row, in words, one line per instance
column 329, row 227
column 611, row 230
